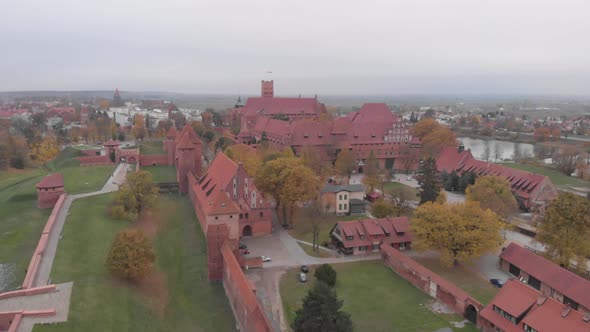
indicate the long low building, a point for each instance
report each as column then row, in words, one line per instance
column 364, row 236
column 551, row 279
column 533, row 191
column 518, row 307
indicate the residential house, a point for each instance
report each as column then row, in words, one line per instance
column 344, row 199
column 364, row 236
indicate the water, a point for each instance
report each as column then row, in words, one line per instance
column 506, row 149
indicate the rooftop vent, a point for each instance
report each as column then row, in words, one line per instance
column 586, row 318
column 541, row 299
column 223, row 204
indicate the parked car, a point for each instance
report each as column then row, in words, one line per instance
column 302, row 277
column 304, row 268
column 266, row 259
column 497, row 282
column 243, row 246
column 409, row 178
column 245, row 252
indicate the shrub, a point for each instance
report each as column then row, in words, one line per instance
column 131, row 255
column 326, row 273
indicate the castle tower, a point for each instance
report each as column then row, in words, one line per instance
column 117, row 101
column 170, row 144
column 188, row 157
column 49, row 190
column 267, row 88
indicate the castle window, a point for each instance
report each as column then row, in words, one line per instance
column 261, row 214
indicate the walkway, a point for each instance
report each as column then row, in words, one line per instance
column 60, row 298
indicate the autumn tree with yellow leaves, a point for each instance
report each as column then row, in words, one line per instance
column 288, row 181
column 565, row 230
column 493, row 192
column 460, row 232
column 139, row 130
column 44, row 150
column 137, row 194
column 434, row 136
column 241, row 153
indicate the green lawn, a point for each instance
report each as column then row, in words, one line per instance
column 85, row 179
column 309, row 250
column 556, row 176
column 376, row 297
column 471, row 282
column 151, row 147
column 162, row 173
column 21, row 221
column 392, row 185
column 100, row 303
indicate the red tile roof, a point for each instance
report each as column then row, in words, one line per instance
column 171, row 133
column 556, row 277
column 187, row 138
column 211, row 186
column 51, row 181
column 111, row 143
column 542, row 313
column 286, row 106
column 397, row 228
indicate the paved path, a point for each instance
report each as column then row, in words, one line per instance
column 59, row 299
column 112, row 184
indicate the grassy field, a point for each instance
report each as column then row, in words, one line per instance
column 309, row 250
column 376, row 297
column 162, row 173
column 556, row 176
column 21, row 221
column 151, row 147
column 392, row 185
column 471, row 282
column 177, row 298
column 304, row 230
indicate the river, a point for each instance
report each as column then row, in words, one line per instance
column 505, row 149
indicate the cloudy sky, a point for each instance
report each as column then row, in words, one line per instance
column 321, row 46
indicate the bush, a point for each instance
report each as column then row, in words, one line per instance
column 131, row 255
column 326, row 273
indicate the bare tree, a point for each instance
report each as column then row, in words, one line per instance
column 401, row 198
column 487, row 152
column 316, row 215
column 497, row 152
column 566, row 159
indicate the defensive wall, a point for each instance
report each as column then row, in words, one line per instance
column 154, row 160
column 10, row 321
column 95, row 160
column 431, row 283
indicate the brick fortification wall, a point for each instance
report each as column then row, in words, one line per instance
column 247, row 309
column 154, row 160
column 428, row 281
column 95, row 160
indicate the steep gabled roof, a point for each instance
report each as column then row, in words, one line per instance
column 171, row 133
column 558, row 278
column 281, row 105
column 391, row 228
column 211, row 186
column 187, row 138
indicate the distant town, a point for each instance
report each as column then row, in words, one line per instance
column 292, row 213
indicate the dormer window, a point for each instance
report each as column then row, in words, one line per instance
column 349, row 238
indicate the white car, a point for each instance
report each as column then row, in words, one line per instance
column 409, row 178
column 266, row 259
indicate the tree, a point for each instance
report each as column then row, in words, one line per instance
column 207, row 118
column 45, row 150
column 121, row 136
column 566, row 159
column 429, row 181
column 326, row 273
column 316, row 215
column 498, row 151
column 400, row 198
column 139, row 130
column 542, row 134
column 131, row 255
column 434, row 136
column 372, row 177
column 382, row 209
column 345, row 163
column 241, row 153
column 487, row 152
column 208, row 136
column 565, row 230
column 288, row 181
column 135, row 195
column 313, row 159
column 178, row 119
column 493, row 192
column 442, row 197
column 408, row 157
column 459, row 231
column 321, row 312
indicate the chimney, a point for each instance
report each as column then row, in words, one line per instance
column 461, row 148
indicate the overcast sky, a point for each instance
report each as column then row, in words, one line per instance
column 319, row 46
